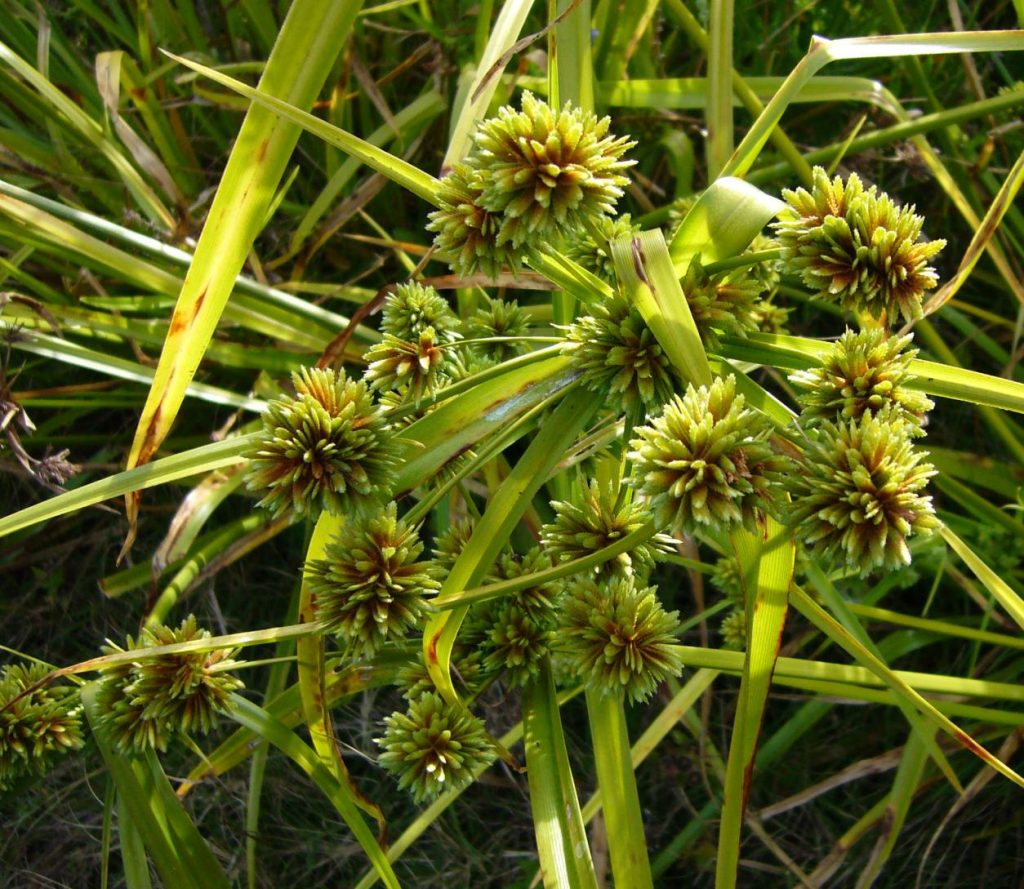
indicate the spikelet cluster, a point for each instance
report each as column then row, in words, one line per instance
column 596, row 517
column 617, row 637
column 37, row 728
column 620, row 356
column 370, row 588
column 532, row 176
column 497, row 318
column 858, row 498
column 325, row 448
column 145, row 703
column 594, row 253
column 434, row 746
column 865, row 372
column 856, row 246
column 705, row 461
column 722, row 303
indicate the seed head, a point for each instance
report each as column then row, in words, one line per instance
column 618, row 638
column 547, row 171
column 859, row 495
column 865, row 372
column 857, row 246
column 38, row 728
column 517, row 642
column 498, row 318
column 325, row 448
column 417, row 366
column 620, row 356
column 723, row 303
column 705, row 461
column 434, row 745
column 145, row 703
column 412, row 307
column 734, row 630
column 370, row 588
column 597, row 517
column 593, row 254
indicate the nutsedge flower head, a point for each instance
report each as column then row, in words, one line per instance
column 865, row 372
column 596, row 517
column 146, row 702
column 413, row 307
column 537, row 601
column 734, row 630
column 498, row 318
column 370, row 589
column 548, row 171
column 618, row 637
column 517, row 642
column 593, row 254
column 859, row 496
column 705, row 460
column 396, row 364
column 467, row 234
column 723, row 303
column 433, row 746
column 620, row 356
column 857, row 246
column 37, row 728
column 327, row 447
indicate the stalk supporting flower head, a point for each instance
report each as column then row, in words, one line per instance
column 859, row 497
column 705, row 460
column 328, row 447
column 370, row 588
column 858, row 246
column 865, row 372
column 618, row 638
column 433, row 746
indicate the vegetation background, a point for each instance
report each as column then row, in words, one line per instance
column 95, row 120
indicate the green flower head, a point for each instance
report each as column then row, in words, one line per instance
column 328, row 447
column 498, row 318
column 865, row 372
column 38, row 728
column 619, row 355
column 597, row 517
column 859, row 495
column 414, row 307
column 417, row 366
column 723, row 303
column 618, row 638
column 433, row 746
column 857, row 246
column 517, row 642
column 593, row 253
column 146, row 702
column 370, row 588
column 706, row 462
column 466, row 233
column 547, row 171
column 734, row 630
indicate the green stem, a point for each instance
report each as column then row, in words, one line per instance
column 719, row 142
column 625, row 826
column 561, row 839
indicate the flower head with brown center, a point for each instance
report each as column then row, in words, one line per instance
column 860, row 494
column 328, row 447
column 434, row 745
column 36, row 728
column 857, row 246
column 706, row 461
column 618, row 638
column 863, row 372
column 370, row 588
column 412, row 308
column 546, row 171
